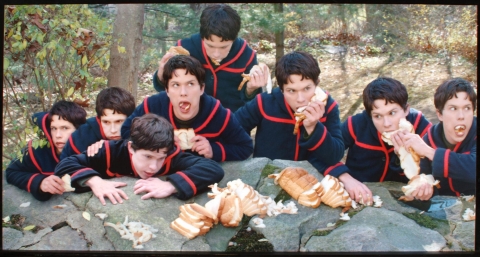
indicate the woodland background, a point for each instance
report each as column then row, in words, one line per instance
column 71, row 52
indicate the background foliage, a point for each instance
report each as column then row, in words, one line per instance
column 49, row 53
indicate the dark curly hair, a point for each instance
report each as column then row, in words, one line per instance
column 151, row 132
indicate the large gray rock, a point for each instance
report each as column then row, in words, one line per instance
column 378, row 229
column 60, row 224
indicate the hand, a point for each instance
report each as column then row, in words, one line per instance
column 93, row 149
column 162, row 63
column 313, row 113
column 102, row 188
column 258, row 78
column 415, row 142
column 53, row 185
column 423, row 192
column 154, row 187
column 356, row 189
column 202, row 146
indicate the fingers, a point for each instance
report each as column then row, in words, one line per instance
column 147, row 196
column 102, row 200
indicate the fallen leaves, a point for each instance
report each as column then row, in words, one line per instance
column 25, row 204
column 86, row 215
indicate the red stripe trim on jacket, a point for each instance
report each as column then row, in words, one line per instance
column 234, row 70
column 101, row 128
column 32, row 157
column 445, row 163
column 221, row 67
column 274, row 119
column 450, row 183
column 225, row 123
column 145, row 105
column 331, row 168
column 320, row 141
column 52, row 146
column 417, row 120
column 205, row 123
column 210, row 67
column 387, row 157
column 107, row 149
column 332, row 106
column 79, row 171
column 75, row 149
column 168, row 160
column 131, row 164
column 222, row 149
column 425, row 130
column 432, row 143
column 189, row 181
column 29, row 184
column 350, row 128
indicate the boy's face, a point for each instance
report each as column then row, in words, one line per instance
column 147, row 163
column 112, row 123
column 216, row 48
column 61, row 131
column 386, row 117
column 298, row 92
column 184, row 92
column 457, row 117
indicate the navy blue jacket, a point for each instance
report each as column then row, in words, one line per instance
column 222, row 81
column 189, row 174
column 274, row 138
column 455, row 169
column 369, row 158
column 227, row 138
column 86, row 135
column 36, row 163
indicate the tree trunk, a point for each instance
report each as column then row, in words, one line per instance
column 279, row 36
column 127, row 34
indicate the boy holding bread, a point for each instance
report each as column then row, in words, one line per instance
column 202, row 125
column 33, row 172
column 224, row 57
column 149, row 152
column 298, row 120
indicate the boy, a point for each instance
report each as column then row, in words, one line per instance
column 319, row 139
column 218, row 134
column 150, row 152
column 34, row 172
column 450, row 147
column 113, row 105
column 218, row 42
column 369, row 158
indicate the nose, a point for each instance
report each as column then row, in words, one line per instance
column 58, row 133
column 183, row 90
column 386, row 122
column 113, row 128
column 460, row 114
column 301, row 97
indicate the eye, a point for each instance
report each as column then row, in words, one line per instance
column 175, row 85
column 289, row 90
column 452, row 108
column 376, row 116
column 191, row 84
column 467, row 108
column 393, row 113
column 307, row 88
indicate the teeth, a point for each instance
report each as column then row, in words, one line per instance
column 459, row 128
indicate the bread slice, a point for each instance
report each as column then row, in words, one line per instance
column 178, row 50
column 185, row 135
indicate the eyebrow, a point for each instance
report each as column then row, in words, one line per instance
column 393, row 109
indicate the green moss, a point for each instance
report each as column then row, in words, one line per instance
column 247, row 241
column 282, row 195
column 269, row 169
column 425, row 220
column 321, row 232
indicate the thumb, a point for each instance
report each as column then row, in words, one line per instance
column 119, row 184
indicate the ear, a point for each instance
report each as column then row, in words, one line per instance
column 129, row 146
column 439, row 115
column 407, row 110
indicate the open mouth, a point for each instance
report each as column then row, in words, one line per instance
column 460, row 129
column 184, row 106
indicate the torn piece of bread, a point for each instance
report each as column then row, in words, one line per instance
column 319, row 95
column 185, row 135
column 178, row 50
column 68, row 186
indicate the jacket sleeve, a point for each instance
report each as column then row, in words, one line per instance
column 339, row 168
column 25, row 175
column 457, row 166
column 249, row 116
column 234, row 143
column 325, row 143
column 138, row 112
column 157, row 84
column 80, row 167
column 193, row 174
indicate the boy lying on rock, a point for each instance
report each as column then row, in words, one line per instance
column 150, row 152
